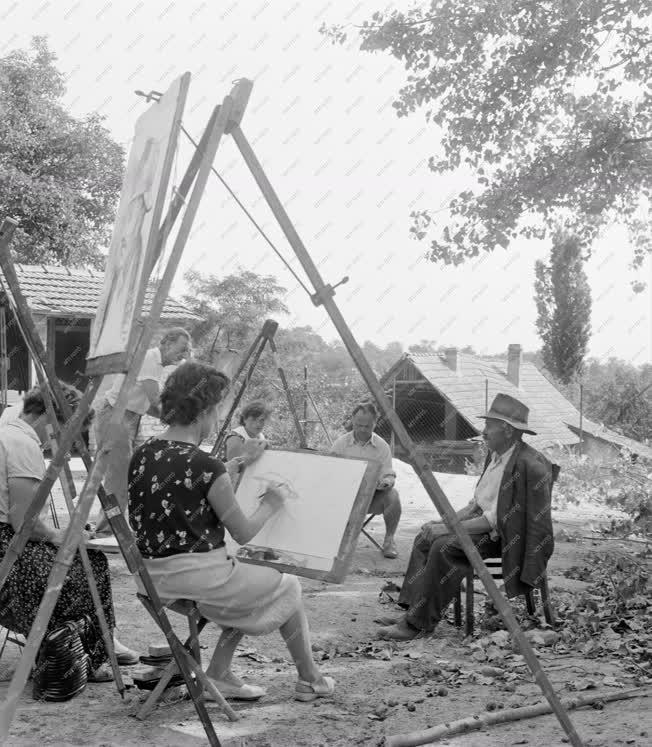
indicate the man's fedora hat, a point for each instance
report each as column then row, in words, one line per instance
column 510, row 411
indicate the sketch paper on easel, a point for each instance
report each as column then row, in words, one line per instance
column 320, row 493
column 136, row 228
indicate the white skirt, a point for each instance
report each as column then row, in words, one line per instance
column 252, row 598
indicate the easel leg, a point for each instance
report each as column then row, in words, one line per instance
column 281, row 373
column 238, row 397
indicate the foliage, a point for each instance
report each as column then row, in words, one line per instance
column 333, row 383
column 563, row 299
column 619, row 395
column 622, row 485
column 59, row 176
column 233, row 308
column 613, row 616
column 546, row 104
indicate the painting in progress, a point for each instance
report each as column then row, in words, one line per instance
column 135, row 231
column 326, row 499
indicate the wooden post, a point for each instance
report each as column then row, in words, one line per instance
column 486, row 395
column 324, row 295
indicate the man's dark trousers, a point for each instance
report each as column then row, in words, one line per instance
column 434, row 574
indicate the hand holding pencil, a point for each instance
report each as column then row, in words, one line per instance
column 274, row 496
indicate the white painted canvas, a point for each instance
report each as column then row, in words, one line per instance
column 139, row 215
column 320, row 493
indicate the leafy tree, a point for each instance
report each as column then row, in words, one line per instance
column 425, row 347
column 620, row 396
column 60, row 176
column 547, row 103
column 563, row 299
column 234, row 307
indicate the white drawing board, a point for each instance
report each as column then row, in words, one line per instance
column 326, row 500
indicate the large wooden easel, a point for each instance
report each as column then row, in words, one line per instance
column 324, row 295
column 195, row 177
column 226, row 119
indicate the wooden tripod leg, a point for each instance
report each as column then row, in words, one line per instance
column 256, row 352
column 281, row 374
column 68, row 488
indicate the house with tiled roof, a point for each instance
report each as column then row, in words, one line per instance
column 440, row 397
column 63, row 303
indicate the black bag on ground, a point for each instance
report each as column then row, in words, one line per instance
column 62, row 665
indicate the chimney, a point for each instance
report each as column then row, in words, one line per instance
column 514, row 364
column 451, row 358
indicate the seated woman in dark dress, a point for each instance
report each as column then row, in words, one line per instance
column 181, row 502
column 21, row 470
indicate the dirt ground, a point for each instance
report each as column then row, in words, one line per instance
column 381, row 689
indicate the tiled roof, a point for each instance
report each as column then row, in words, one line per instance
column 56, row 291
column 552, row 416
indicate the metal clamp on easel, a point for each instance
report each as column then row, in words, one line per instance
column 327, row 291
column 151, row 96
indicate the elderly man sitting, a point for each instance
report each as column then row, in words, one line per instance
column 363, row 442
column 509, row 516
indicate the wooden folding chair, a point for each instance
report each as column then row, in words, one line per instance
column 495, row 568
column 367, row 535
column 196, row 623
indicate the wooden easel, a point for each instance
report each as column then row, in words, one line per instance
column 323, row 296
column 196, row 176
column 251, row 357
column 50, row 387
column 227, row 120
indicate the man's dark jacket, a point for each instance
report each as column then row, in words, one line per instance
column 524, row 518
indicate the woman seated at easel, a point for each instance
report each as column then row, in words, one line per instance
column 21, row 469
column 252, row 421
column 181, row 502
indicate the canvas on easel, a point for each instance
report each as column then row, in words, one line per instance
column 326, row 500
column 136, row 231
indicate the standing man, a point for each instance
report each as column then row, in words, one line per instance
column 142, row 399
column 509, row 517
column 363, row 442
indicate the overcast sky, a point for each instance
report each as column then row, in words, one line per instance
column 347, row 169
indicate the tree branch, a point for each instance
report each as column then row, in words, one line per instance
column 637, row 140
column 626, row 59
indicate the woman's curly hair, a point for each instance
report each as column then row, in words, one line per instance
column 34, row 403
column 189, row 390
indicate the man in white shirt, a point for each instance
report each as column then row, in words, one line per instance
column 363, row 442
column 142, row 399
column 509, row 517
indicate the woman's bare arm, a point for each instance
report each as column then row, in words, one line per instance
column 241, row 527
